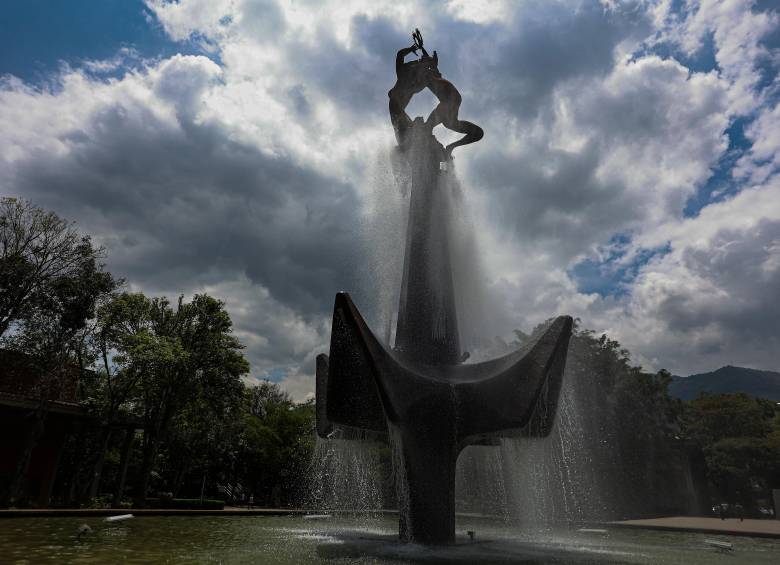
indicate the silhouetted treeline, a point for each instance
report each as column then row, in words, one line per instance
column 110, row 397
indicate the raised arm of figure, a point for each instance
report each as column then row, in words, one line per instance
column 399, row 57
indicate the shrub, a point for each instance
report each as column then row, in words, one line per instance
column 185, row 503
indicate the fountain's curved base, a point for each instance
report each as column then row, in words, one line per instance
column 431, row 412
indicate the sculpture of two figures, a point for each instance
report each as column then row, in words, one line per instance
column 414, row 76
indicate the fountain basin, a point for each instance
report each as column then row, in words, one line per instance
column 291, row 539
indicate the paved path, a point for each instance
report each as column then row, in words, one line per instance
column 730, row 526
column 228, row 511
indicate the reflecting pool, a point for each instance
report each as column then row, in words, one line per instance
column 293, row 539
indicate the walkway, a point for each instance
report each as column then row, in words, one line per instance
column 729, row 526
column 228, row 511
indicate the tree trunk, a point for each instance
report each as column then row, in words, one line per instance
column 72, row 488
column 97, row 469
column 123, row 464
column 73, row 482
column 178, row 480
column 149, row 445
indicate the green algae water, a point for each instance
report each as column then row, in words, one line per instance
column 295, row 540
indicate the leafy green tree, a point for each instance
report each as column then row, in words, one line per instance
column 740, row 441
column 43, row 260
column 192, row 349
column 276, row 445
column 711, row 418
column 50, row 283
column 123, row 354
column 623, row 437
column 202, row 442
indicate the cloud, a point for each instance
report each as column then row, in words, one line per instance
column 258, row 171
column 205, row 18
column 710, row 301
column 738, row 30
column 145, row 166
column 763, row 158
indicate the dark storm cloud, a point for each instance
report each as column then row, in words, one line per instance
column 356, row 79
column 512, row 70
column 552, row 199
column 515, row 69
column 182, row 203
column 745, row 265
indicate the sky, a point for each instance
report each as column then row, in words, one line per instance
column 628, row 175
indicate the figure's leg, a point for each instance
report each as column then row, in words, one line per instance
column 472, row 133
column 436, row 117
column 449, row 118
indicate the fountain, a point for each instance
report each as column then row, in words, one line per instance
column 420, row 394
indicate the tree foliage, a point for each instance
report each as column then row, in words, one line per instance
column 628, row 429
column 50, row 283
column 739, row 437
column 45, row 267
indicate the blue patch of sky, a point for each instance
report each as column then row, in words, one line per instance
column 36, row 36
column 275, row 374
column 721, row 184
column 608, row 276
column 702, row 61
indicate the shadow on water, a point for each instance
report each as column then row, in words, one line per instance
column 387, row 548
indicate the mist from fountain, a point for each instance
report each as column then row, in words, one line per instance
column 524, row 481
column 346, row 476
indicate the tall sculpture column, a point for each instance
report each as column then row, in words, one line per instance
column 427, row 329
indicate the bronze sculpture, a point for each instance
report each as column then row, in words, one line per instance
column 414, row 76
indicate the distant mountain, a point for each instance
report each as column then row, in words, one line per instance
column 728, row 380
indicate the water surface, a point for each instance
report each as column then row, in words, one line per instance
column 292, row 539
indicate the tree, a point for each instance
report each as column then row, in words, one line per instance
column 711, row 418
column 50, row 283
column 191, row 350
column 262, row 398
column 39, row 253
column 740, row 440
column 277, row 444
column 203, row 441
column 120, row 345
